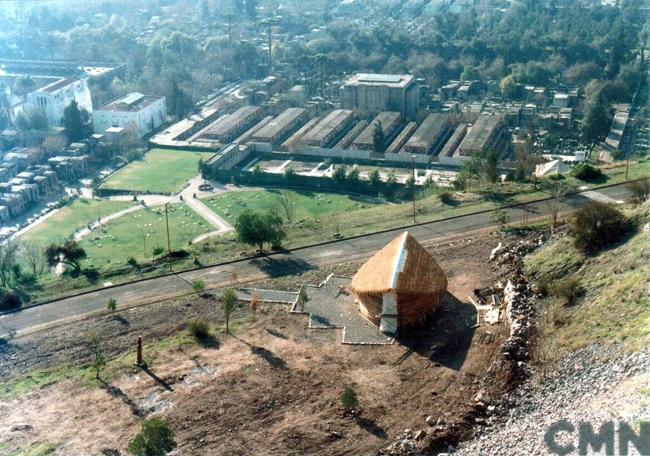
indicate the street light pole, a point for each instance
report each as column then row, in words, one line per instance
column 169, row 245
column 413, row 189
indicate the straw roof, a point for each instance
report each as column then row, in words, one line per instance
column 402, row 266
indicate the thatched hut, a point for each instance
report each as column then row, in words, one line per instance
column 399, row 286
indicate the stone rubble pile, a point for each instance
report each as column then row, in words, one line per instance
column 575, row 389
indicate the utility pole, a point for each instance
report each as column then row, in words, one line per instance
column 270, row 48
column 169, row 245
column 230, row 31
column 413, row 189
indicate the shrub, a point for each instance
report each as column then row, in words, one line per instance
column 640, row 190
column 586, row 172
column 158, row 250
column 9, row 300
column 200, row 329
column 111, row 305
column 557, row 177
column 155, row 439
column 598, row 225
column 446, row 198
column 198, row 285
column 349, row 399
column 567, row 290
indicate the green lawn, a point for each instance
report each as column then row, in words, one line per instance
column 138, row 233
column 307, row 203
column 160, row 171
column 66, row 221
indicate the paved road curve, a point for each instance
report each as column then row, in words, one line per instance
column 160, row 288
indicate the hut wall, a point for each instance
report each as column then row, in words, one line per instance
column 414, row 308
column 389, row 313
column 370, row 307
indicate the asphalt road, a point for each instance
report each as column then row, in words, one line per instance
column 156, row 289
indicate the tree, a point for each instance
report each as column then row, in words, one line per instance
column 228, row 304
column 598, row 225
column 500, row 216
column 378, row 138
column 259, row 228
column 640, row 190
column 76, row 122
column 69, row 253
column 255, row 299
column 508, row 86
column 353, row 176
column 98, row 359
column 375, row 178
column 8, row 261
column 597, row 118
column 287, row 202
column 111, row 305
column 340, row 174
column 349, row 399
column 250, row 8
column 491, row 162
column 155, row 439
column 198, row 286
column 303, row 298
column 555, row 202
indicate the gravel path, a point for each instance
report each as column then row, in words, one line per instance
column 595, row 384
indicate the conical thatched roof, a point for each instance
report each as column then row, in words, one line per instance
column 402, row 266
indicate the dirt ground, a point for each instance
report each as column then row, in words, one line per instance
column 272, row 387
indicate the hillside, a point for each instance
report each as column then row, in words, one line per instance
column 593, row 362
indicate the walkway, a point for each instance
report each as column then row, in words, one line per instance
column 79, row 235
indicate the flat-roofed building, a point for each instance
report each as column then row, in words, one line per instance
column 401, row 139
column 382, row 92
column 145, row 113
column 53, row 98
column 450, row 147
column 430, row 132
column 482, row 136
column 278, row 129
column 229, row 127
column 329, row 129
column 390, row 121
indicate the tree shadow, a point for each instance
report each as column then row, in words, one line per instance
column 122, row 320
column 370, row 426
column 445, row 336
column 208, row 341
column 278, row 267
column 268, row 356
column 271, row 332
column 157, row 379
column 117, row 393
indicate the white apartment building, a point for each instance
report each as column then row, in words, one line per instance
column 144, row 112
column 55, row 97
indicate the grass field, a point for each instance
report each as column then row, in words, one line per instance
column 66, row 221
column 138, row 233
column 160, row 171
column 307, row 203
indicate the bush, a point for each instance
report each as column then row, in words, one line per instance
column 155, row 439
column 640, row 190
column 9, row 300
column 567, row 290
column 158, row 250
column 199, row 329
column 586, row 172
column 557, row 177
column 349, row 399
column 198, row 285
column 446, row 198
column 598, row 225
